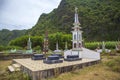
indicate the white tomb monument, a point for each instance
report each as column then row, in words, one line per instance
column 29, row 44
column 57, row 51
column 103, row 49
column 117, row 46
column 29, row 48
column 77, row 48
column 66, row 47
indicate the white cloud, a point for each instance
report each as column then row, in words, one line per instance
column 24, row 12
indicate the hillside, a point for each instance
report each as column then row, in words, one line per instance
column 100, row 19
column 6, row 35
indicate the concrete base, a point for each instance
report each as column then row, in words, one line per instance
column 38, row 70
column 84, row 53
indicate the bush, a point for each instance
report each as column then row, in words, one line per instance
column 61, row 38
column 94, row 45
column 110, row 44
column 13, row 47
column 37, row 48
column 2, row 48
column 91, row 45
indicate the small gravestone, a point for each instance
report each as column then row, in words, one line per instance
column 103, row 46
column 29, row 44
column 29, row 47
column 117, row 46
column 13, row 50
column 57, row 51
column 66, row 47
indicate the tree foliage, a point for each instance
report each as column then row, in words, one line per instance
column 6, row 35
column 94, row 45
column 61, row 38
column 22, row 41
column 37, row 41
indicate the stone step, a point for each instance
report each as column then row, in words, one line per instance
column 11, row 68
column 14, row 67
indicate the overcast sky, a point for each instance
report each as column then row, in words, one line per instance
column 23, row 14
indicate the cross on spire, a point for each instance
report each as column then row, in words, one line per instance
column 76, row 21
column 29, row 37
column 76, row 9
column 29, row 44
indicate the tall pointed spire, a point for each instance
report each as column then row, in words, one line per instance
column 45, row 49
column 76, row 20
column 29, row 44
column 57, row 46
column 29, row 39
column 66, row 47
column 103, row 46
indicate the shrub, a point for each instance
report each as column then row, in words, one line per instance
column 110, row 44
column 94, row 45
column 91, row 45
column 37, row 48
column 13, row 47
column 2, row 48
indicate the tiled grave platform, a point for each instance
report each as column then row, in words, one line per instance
column 37, row 70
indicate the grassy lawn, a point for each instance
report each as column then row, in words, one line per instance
column 4, row 64
column 95, row 72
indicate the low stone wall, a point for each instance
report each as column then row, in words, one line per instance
column 14, row 56
column 48, row 73
column 44, row 74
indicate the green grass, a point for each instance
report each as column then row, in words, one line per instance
column 95, row 72
column 114, row 64
column 94, row 45
column 6, row 75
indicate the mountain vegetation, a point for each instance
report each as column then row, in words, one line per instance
column 6, row 35
column 100, row 19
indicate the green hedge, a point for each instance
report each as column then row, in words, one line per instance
column 61, row 38
column 89, row 45
column 94, row 45
column 3, row 48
